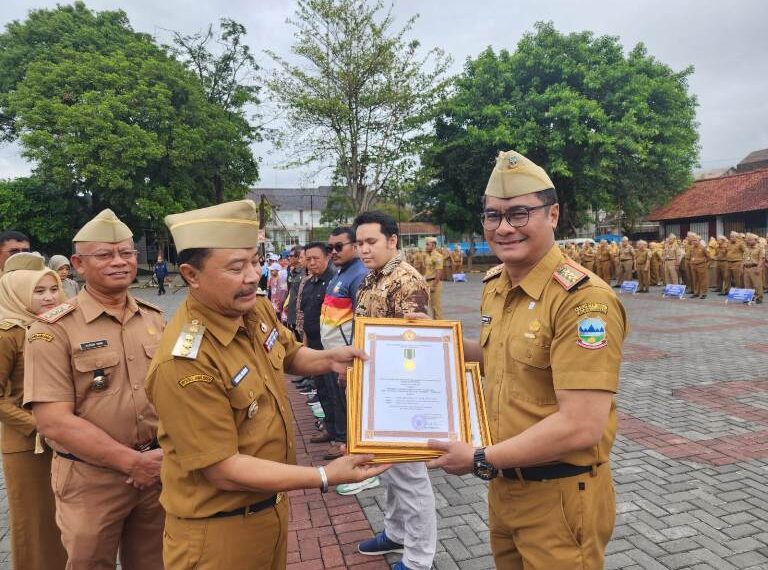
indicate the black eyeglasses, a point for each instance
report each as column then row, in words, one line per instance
column 104, row 256
column 338, row 246
column 516, row 217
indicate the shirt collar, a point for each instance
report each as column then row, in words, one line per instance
column 220, row 326
column 92, row 308
column 533, row 284
column 390, row 265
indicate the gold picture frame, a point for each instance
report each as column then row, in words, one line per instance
column 367, row 432
column 480, row 432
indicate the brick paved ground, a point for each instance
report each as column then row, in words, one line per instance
column 690, row 461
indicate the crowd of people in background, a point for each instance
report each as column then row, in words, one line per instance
column 720, row 263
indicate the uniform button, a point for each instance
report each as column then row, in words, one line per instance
column 130, row 357
column 140, row 417
column 528, row 354
column 290, row 445
column 135, row 386
column 250, row 393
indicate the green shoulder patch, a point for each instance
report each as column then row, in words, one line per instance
column 493, row 272
column 187, row 380
column 57, row 312
column 6, row 325
column 47, row 337
column 569, row 275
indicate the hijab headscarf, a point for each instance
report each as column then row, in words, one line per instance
column 16, row 288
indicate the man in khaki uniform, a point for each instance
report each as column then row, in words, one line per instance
column 754, row 261
column 587, row 256
column 85, row 364
column 626, row 261
column 604, row 261
column 721, row 265
column 671, row 260
column 419, row 261
column 457, row 260
column 656, row 250
column 550, row 342
column 643, row 266
column 434, row 274
column 699, row 265
column 226, row 423
column 734, row 255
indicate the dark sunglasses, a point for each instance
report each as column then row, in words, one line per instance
column 338, row 246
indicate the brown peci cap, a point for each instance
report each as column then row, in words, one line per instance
column 514, row 175
column 24, row 260
column 105, row 227
column 231, row 225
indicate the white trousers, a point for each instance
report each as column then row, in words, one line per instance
column 410, row 518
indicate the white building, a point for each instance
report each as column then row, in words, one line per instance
column 295, row 213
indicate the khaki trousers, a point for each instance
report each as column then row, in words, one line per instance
column 35, row 538
column 98, row 513
column 560, row 524
column 700, row 274
column 670, row 272
column 722, row 271
column 644, row 278
column 625, row 271
column 589, row 265
column 257, row 541
column 604, row 271
column 655, row 266
column 436, row 300
column 753, row 279
column 734, row 277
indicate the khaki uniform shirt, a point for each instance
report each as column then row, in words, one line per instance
column 603, row 254
column 670, row 251
column 722, row 252
column 433, row 261
column 18, row 424
column 229, row 399
column 587, row 254
column 699, row 254
column 642, row 258
column 392, row 291
column 626, row 253
column 62, row 359
column 735, row 251
column 538, row 337
column 753, row 255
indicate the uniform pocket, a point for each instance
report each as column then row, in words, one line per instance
column 61, row 474
column 87, row 365
column 277, row 355
column 529, row 375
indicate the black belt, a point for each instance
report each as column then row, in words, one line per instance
column 429, row 278
column 750, row 265
column 250, row 509
column 143, row 448
column 544, row 472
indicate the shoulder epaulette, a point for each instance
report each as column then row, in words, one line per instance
column 57, row 312
column 6, row 325
column 189, row 341
column 569, row 275
column 148, row 304
column 493, row 272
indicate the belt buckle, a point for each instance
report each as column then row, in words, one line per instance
column 280, row 497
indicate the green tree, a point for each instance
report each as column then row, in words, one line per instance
column 114, row 120
column 615, row 132
column 359, row 97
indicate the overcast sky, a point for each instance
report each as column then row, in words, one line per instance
column 726, row 42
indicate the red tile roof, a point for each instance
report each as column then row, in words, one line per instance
column 421, row 228
column 716, row 196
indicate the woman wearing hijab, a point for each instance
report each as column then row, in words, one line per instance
column 27, row 288
column 60, row 264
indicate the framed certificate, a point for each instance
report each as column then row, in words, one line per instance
column 410, row 390
column 480, row 433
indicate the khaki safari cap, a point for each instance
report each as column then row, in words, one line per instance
column 514, row 175
column 231, row 225
column 105, row 227
column 24, row 260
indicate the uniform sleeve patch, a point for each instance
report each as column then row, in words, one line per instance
column 41, row 336
column 187, row 380
column 585, row 308
column 591, row 332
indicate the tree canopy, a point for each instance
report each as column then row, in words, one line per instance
column 615, row 132
column 359, row 96
column 111, row 119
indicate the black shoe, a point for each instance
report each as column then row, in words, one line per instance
column 300, row 380
column 759, row 302
column 694, row 296
column 313, row 400
column 703, row 297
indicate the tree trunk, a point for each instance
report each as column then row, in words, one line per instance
column 218, row 188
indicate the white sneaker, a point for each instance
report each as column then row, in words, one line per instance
column 355, row 488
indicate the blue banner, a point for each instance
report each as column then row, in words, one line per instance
column 674, row 291
column 459, row 277
column 629, row 287
column 740, row 295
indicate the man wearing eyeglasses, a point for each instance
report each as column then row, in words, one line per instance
column 85, row 365
column 12, row 242
column 550, row 342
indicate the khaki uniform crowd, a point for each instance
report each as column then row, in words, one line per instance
column 719, row 264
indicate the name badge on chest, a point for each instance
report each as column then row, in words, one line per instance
column 271, row 339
